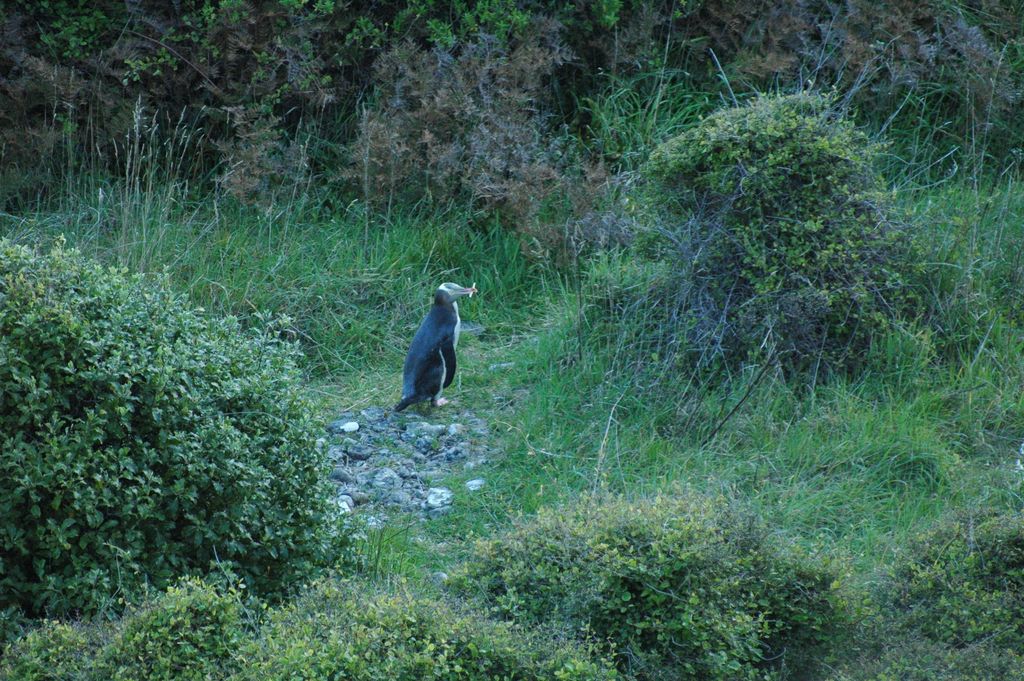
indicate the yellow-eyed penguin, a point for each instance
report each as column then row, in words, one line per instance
column 430, row 365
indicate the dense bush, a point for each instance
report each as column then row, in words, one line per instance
column 333, row 631
column 679, row 588
column 924, row 660
column 53, row 652
column 952, row 608
column 191, row 632
column 964, row 582
column 468, row 124
column 784, row 229
column 78, row 76
column 348, row 632
column 141, row 440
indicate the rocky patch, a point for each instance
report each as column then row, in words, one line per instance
column 393, row 461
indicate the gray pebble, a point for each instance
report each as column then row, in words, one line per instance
column 372, row 414
column 422, row 428
column 438, row 497
column 341, row 474
column 386, row 478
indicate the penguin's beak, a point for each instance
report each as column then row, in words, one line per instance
column 471, row 290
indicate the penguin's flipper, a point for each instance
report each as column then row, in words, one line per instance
column 448, row 353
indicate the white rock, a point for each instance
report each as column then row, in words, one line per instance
column 438, row 497
column 456, row 428
column 349, row 427
column 474, row 485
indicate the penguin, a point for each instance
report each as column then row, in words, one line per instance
column 430, row 365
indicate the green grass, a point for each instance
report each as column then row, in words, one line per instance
column 854, row 465
column 851, row 466
column 355, row 286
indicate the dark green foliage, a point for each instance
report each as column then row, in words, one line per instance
column 355, row 632
column 952, row 608
column 141, row 440
column 190, row 633
column 679, row 588
column 346, row 632
column 924, row 660
column 785, row 231
column 964, row 582
column 53, row 652
column 78, row 77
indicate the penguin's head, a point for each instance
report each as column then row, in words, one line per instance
column 455, row 291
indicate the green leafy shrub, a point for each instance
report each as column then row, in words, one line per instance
column 923, row 660
column 786, row 231
column 964, row 582
column 678, row 588
column 53, row 652
column 191, row 632
column 346, row 632
column 141, row 441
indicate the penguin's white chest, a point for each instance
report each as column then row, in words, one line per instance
column 458, row 325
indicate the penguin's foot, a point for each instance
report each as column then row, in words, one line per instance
column 440, row 402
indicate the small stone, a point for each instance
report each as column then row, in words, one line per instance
column 454, row 453
column 321, row 443
column 456, row 428
column 344, row 503
column 372, row 414
column 438, row 497
column 386, row 478
column 438, row 512
column 350, row 442
column 428, row 429
column 336, row 427
column 359, row 453
column 400, row 497
column 474, row 485
column 336, row 452
column 359, row 497
column 349, row 427
column 341, row 475
column 501, row 366
column 439, row 578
